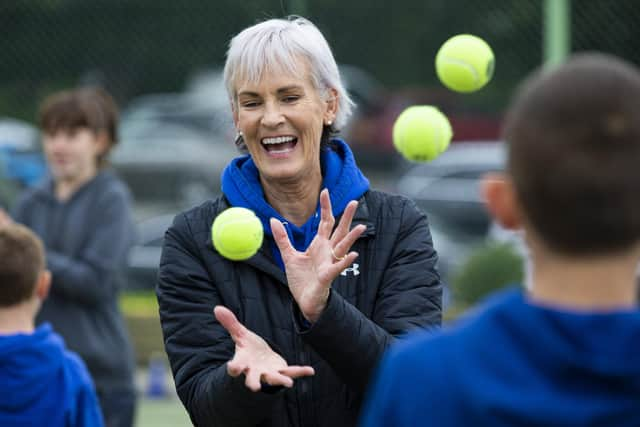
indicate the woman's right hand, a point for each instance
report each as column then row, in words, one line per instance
column 255, row 358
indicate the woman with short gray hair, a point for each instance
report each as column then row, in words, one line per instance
column 299, row 327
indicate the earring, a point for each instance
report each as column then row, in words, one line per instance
column 239, row 141
column 329, row 122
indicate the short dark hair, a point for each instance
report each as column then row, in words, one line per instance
column 573, row 134
column 89, row 108
column 22, row 260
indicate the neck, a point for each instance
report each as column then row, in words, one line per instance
column 17, row 319
column 599, row 283
column 65, row 188
column 295, row 200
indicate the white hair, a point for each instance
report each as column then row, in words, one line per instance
column 276, row 45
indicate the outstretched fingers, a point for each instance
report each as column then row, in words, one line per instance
column 276, row 378
column 345, row 222
column 327, row 221
column 285, row 376
column 339, row 266
column 296, row 371
column 344, row 245
column 252, row 379
column 281, row 237
column 230, row 322
column 235, row 367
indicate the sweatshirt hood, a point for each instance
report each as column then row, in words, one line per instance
column 603, row 343
column 573, row 364
column 29, row 365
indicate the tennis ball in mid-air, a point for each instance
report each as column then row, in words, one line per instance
column 465, row 63
column 421, row 133
column 237, row 233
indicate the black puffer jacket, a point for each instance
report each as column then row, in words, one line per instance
column 392, row 287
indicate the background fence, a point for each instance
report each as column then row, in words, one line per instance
column 140, row 46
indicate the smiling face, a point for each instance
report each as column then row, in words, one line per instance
column 72, row 155
column 281, row 118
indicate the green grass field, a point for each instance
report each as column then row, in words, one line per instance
column 167, row 412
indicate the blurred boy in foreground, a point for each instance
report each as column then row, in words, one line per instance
column 566, row 353
column 41, row 382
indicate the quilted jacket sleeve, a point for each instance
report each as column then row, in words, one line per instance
column 197, row 345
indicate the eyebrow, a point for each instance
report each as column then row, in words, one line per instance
column 279, row 91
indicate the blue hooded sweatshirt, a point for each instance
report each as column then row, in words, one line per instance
column 341, row 176
column 43, row 384
column 513, row 363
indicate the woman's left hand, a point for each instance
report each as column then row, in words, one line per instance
column 310, row 273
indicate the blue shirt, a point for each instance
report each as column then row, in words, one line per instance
column 513, row 363
column 43, row 384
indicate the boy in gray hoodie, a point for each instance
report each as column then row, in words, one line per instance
column 82, row 213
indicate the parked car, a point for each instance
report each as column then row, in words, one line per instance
column 193, row 110
column 171, row 152
column 144, row 258
column 22, row 163
column 447, row 189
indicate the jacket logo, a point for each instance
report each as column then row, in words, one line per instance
column 353, row 270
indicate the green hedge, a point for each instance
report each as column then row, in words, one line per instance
column 490, row 268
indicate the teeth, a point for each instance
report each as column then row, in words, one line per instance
column 286, row 150
column 278, row 140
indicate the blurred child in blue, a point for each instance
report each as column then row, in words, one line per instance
column 567, row 352
column 42, row 383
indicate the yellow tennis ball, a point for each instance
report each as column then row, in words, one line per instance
column 421, row 133
column 237, row 233
column 465, row 63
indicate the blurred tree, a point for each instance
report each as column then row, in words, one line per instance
column 490, row 268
